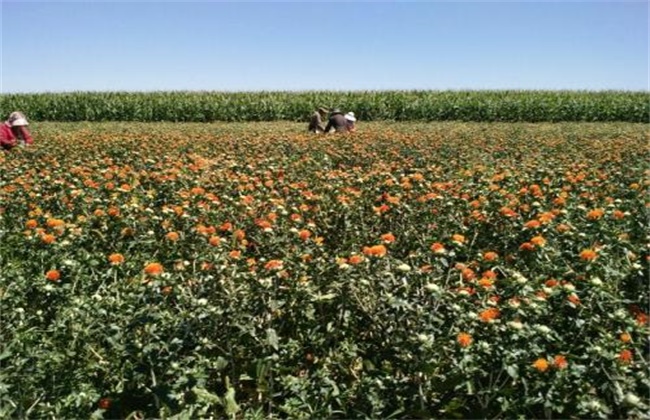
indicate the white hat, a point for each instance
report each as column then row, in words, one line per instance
column 17, row 119
column 350, row 116
column 19, row 122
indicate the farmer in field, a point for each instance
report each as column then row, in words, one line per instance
column 14, row 132
column 337, row 121
column 350, row 120
column 316, row 122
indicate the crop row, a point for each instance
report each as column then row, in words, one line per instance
column 530, row 106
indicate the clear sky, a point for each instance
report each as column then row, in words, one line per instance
column 370, row 45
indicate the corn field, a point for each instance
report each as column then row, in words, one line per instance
column 483, row 106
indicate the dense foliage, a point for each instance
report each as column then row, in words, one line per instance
column 253, row 271
column 531, row 106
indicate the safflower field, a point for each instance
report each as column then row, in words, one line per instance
column 251, row 270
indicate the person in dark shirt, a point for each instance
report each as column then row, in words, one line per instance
column 337, row 121
column 315, row 123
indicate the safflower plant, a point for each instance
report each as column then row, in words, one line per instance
column 246, row 271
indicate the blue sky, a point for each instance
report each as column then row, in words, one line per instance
column 250, row 46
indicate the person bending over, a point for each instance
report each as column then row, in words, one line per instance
column 14, row 132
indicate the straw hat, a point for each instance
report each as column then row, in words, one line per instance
column 350, row 116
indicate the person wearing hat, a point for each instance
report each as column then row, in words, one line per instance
column 350, row 120
column 14, row 131
column 337, row 122
column 316, row 123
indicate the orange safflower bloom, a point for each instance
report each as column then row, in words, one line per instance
column 465, row 291
column 116, row 259
column 240, row 234
column 427, row 268
column 458, row 238
column 489, row 314
column 573, row 298
column 264, row 224
column 304, row 234
column 214, row 240
column 48, row 238
column 546, row 217
column 295, row 217
column 438, row 248
column 53, row 275
column 172, row 236
column 355, row 259
column 527, row 246
column 464, row 339
column 388, row 237
column 375, row 251
column 625, row 337
column 625, row 356
column 113, row 211
column 559, row 201
column 468, row 273
column 391, row 199
column 225, row 226
column 31, row 224
column 54, row 223
column 562, row 228
column 486, row 283
column 560, row 362
column 551, row 283
column 538, row 240
column 274, row 265
column 234, row 254
column 595, row 214
column 618, row 215
column 588, row 254
column 490, row 256
column 154, row 269
column 202, row 230
column 381, row 209
column 541, row 364
column 532, row 224
column 507, row 212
